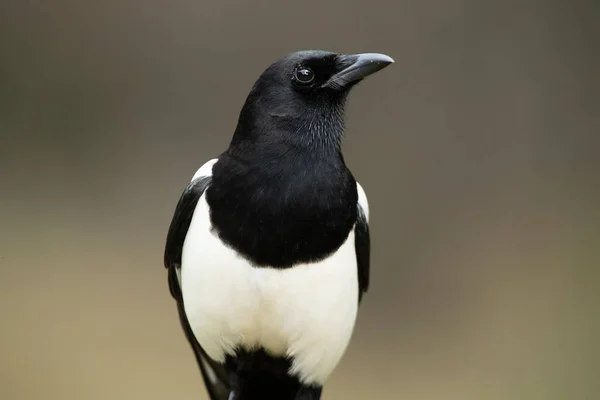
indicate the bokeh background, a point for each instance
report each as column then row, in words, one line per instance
column 479, row 149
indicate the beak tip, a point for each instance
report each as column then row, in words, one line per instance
column 384, row 58
column 377, row 57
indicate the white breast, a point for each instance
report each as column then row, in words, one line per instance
column 306, row 312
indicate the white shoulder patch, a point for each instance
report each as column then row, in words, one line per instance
column 362, row 200
column 206, row 169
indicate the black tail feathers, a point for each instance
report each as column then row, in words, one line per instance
column 257, row 375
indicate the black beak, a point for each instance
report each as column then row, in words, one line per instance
column 356, row 67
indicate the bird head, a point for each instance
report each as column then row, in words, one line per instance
column 300, row 98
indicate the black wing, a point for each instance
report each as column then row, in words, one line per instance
column 213, row 373
column 182, row 219
column 362, row 245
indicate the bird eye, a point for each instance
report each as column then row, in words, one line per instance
column 304, row 75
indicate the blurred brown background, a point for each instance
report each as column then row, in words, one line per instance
column 479, row 150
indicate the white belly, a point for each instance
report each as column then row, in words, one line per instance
column 306, row 312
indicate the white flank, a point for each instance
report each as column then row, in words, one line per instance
column 306, row 312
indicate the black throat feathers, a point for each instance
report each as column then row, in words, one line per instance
column 282, row 207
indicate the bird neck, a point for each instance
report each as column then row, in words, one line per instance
column 317, row 128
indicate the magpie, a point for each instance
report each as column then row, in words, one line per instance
column 268, row 250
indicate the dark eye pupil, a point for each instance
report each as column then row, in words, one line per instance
column 304, row 75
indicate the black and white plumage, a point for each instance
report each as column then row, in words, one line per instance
column 268, row 249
